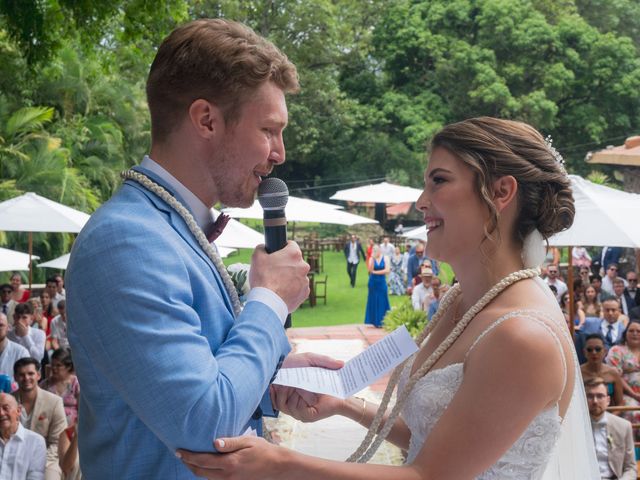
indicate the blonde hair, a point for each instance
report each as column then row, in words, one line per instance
column 218, row 60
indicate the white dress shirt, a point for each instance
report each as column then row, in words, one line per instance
column 23, row 457
column 59, row 331
column 420, row 295
column 602, row 447
column 10, row 355
column 353, row 253
column 203, row 217
column 387, row 249
column 33, row 341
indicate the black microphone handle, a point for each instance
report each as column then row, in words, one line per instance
column 275, row 237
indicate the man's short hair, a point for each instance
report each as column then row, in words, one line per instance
column 23, row 362
column 51, row 279
column 617, row 281
column 218, row 60
column 596, row 277
column 23, row 308
column 594, row 382
column 6, row 286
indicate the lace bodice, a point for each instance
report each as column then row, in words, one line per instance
column 528, row 456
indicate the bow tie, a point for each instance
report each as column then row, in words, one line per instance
column 214, row 230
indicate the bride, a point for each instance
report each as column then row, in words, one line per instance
column 495, row 389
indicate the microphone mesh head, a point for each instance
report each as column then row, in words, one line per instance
column 273, row 194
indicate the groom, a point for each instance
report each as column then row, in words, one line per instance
column 163, row 360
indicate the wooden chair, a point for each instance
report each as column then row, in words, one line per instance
column 321, row 284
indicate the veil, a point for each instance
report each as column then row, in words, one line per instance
column 574, row 456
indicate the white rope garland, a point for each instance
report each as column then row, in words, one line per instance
column 369, row 446
column 197, row 232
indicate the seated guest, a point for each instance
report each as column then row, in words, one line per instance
column 610, row 326
column 596, row 282
column 422, row 293
column 626, row 359
column 591, row 303
column 59, row 337
column 553, row 279
column 52, row 290
column 30, row 338
column 10, row 352
column 618, row 290
column 22, row 451
column 8, row 304
column 64, row 383
column 578, row 314
column 632, row 292
column 595, row 352
column 437, row 292
column 42, row 412
column 19, row 294
column 612, row 435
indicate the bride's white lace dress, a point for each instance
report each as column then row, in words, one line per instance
column 534, row 452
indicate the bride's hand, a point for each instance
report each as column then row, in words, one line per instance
column 303, row 405
column 241, row 458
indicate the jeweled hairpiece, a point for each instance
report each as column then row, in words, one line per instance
column 556, row 154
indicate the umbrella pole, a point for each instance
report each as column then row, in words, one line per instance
column 30, row 260
column 572, row 308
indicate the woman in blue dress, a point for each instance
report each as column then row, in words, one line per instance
column 378, row 299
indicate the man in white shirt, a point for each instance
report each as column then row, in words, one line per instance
column 387, row 248
column 10, row 352
column 612, row 435
column 52, row 288
column 423, row 293
column 553, row 279
column 22, row 452
column 60, row 285
column 32, row 339
column 59, row 337
column 610, row 275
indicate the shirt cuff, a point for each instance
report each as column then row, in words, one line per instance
column 271, row 300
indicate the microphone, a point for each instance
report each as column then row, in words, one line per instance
column 273, row 196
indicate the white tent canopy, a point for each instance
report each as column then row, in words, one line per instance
column 33, row 213
column 604, row 217
column 60, row 263
column 379, row 193
column 236, row 235
column 304, row 210
column 418, row 233
column 11, row 260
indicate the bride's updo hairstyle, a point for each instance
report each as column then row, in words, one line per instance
column 493, row 148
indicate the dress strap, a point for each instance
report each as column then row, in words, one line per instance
column 542, row 319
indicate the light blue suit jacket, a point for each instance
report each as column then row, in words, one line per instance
column 161, row 361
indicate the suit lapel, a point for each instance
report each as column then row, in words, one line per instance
column 179, row 225
column 36, row 424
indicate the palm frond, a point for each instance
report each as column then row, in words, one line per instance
column 27, row 120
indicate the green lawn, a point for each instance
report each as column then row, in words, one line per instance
column 345, row 305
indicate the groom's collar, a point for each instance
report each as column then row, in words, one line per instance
column 201, row 213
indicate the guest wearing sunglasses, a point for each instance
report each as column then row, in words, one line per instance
column 610, row 275
column 595, row 352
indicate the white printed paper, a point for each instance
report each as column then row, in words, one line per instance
column 357, row 373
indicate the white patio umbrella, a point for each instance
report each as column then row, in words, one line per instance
column 604, row 217
column 418, row 233
column 236, row 235
column 11, row 260
column 304, row 210
column 33, row 213
column 379, row 193
column 60, row 263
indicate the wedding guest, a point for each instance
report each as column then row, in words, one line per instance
column 595, row 352
column 438, row 291
column 612, row 436
column 581, row 257
column 626, row 359
column 610, row 275
column 369, row 251
column 585, row 275
column 422, row 293
column 591, row 304
column 23, row 334
column 59, row 338
column 64, row 383
column 610, row 326
column 378, row 296
column 396, row 283
column 632, row 292
column 10, row 352
column 553, row 278
column 579, row 315
column 52, row 288
column 68, row 454
column 387, row 248
column 352, row 252
column 19, row 294
column 39, row 321
column 596, row 282
column 8, row 304
column 23, row 453
column 490, row 394
column 618, row 293
column 42, row 412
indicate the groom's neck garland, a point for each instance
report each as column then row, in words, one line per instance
column 369, row 445
column 197, row 232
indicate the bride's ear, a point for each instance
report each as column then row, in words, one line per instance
column 505, row 190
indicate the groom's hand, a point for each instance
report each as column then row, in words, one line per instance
column 301, row 404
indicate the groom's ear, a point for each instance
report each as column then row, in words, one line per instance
column 505, row 190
